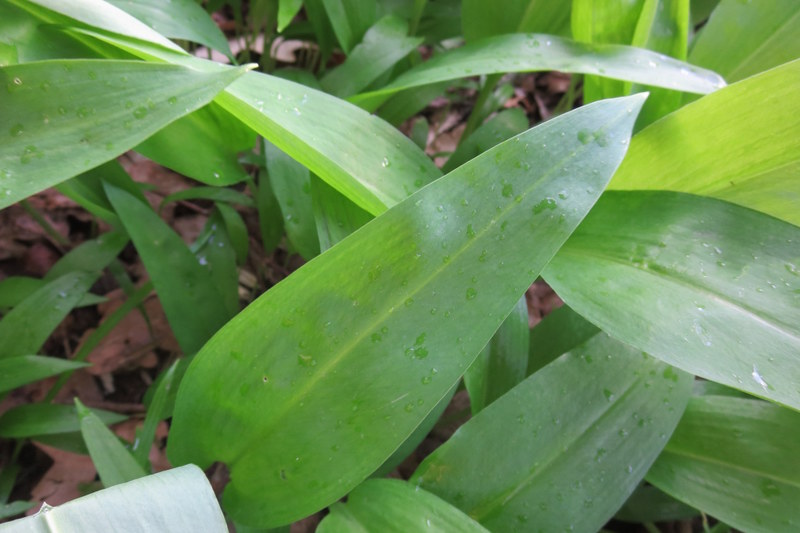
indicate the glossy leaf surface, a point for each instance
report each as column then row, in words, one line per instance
column 722, row 145
column 408, row 312
column 710, row 287
column 62, row 118
column 735, row 459
column 392, row 505
column 565, row 448
column 536, row 52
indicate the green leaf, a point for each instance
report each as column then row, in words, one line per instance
column 217, row 194
column 178, row 19
column 392, row 505
column 215, row 253
column 7, row 510
column 735, row 459
column 649, row 504
column 236, row 231
column 14, row 289
column 350, row 20
column 156, row 412
column 270, row 218
column 725, row 146
column 754, row 37
column 180, row 499
column 503, row 363
column 203, row 145
column 383, row 46
column 336, row 217
column 191, row 300
column 565, row 448
column 90, row 256
column 557, row 333
column 291, row 184
column 65, row 117
column 46, row 419
column 287, row 10
column 18, row 371
column 499, row 128
column 409, row 331
column 536, row 52
column 114, row 463
column 707, row 286
column 25, row 328
column 481, row 19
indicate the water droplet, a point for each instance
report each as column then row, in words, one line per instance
column 216, row 175
column 547, row 203
column 385, row 162
column 306, row 360
column 17, row 81
column 609, row 395
column 140, row 112
column 758, row 378
column 83, row 112
column 508, row 190
column 471, row 293
column 172, row 100
column 202, row 260
column 16, row 130
column 585, row 136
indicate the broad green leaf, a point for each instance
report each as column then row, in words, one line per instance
column 203, row 145
column 114, row 463
column 481, row 19
column 180, row 499
column 14, row 289
column 736, row 460
column 376, row 330
column 25, row 328
column 46, row 419
column 384, row 44
column 562, row 450
column 287, row 10
column 65, row 117
column 765, row 35
column 725, row 145
column 350, row 20
column 18, row 371
column 217, row 194
column 392, row 505
column 504, row 361
column 191, row 300
column 707, row 286
column 649, row 504
column 536, row 52
column 497, row 129
column 557, row 333
column 336, row 217
column 291, row 184
column 177, row 19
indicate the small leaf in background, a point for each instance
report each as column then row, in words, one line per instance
column 18, row 371
column 157, row 410
column 420, row 130
column 383, row 46
column 177, row 19
column 723, row 146
column 502, row 126
column 14, row 290
column 537, row 52
column 90, row 256
column 287, row 10
column 481, row 19
column 392, row 505
column 291, row 184
column 503, row 363
column 559, row 332
column 649, row 504
column 180, row 499
column 87, row 190
column 217, row 194
column 710, row 287
column 63, row 119
column 564, row 449
column 336, row 217
column 7, row 510
column 764, row 37
column 192, row 303
column 34, row 419
column 411, row 326
column 236, row 230
column 216, row 255
column 350, row 20
column 113, row 461
column 736, row 460
column 270, row 218
column 25, row 328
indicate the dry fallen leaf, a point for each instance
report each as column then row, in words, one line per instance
column 61, row 483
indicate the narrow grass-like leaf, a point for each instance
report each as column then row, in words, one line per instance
column 236, row 231
column 765, row 37
column 291, row 184
column 156, row 412
column 376, row 330
column 18, row 371
column 177, row 19
column 535, row 52
column 287, row 10
column 192, row 302
column 722, row 145
column 565, row 448
column 394, row 506
column 710, row 287
column 90, row 256
column 218, row 194
column 26, row 327
column 64, row 118
column 14, row 289
column 47, row 419
column 383, row 46
column 735, row 459
column 336, row 216
column 203, row 145
column 503, row 363
column 114, row 463
column 180, row 499
column 350, row 20
column 559, row 332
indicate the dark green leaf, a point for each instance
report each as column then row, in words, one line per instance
column 648, row 504
column 481, row 19
column 502, row 126
column 217, row 194
column 336, row 216
column 559, row 332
